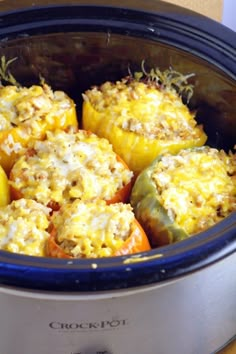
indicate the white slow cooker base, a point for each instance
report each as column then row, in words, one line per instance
column 193, row 315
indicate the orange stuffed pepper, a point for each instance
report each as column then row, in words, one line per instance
column 68, row 166
column 94, row 230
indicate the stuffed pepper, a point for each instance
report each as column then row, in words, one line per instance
column 70, row 165
column 95, row 229
column 24, row 227
column 26, row 114
column 180, row 195
column 143, row 116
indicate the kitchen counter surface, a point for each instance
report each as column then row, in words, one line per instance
column 230, row 349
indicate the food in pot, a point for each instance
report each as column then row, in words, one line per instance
column 83, row 183
column 180, row 195
column 4, row 188
column 142, row 116
column 68, row 166
column 24, row 227
column 95, row 229
column 26, row 114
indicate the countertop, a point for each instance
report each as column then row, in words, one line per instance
column 230, row 349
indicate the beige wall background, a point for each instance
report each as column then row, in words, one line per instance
column 209, row 8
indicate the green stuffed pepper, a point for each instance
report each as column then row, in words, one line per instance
column 180, row 195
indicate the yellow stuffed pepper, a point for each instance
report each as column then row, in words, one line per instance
column 4, row 188
column 26, row 114
column 143, row 116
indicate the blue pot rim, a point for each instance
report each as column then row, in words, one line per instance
column 193, row 33
column 146, row 268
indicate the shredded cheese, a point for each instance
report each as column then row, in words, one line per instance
column 93, row 229
column 196, row 187
column 67, row 166
column 23, row 227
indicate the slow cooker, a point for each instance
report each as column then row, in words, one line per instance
column 176, row 299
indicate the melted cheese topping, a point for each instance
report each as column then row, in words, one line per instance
column 22, row 106
column 67, row 166
column 23, row 227
column 93, row 229
column 30, row 109
column 145, row 110
column 197, row 188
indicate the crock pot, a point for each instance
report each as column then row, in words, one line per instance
column 176, row 299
